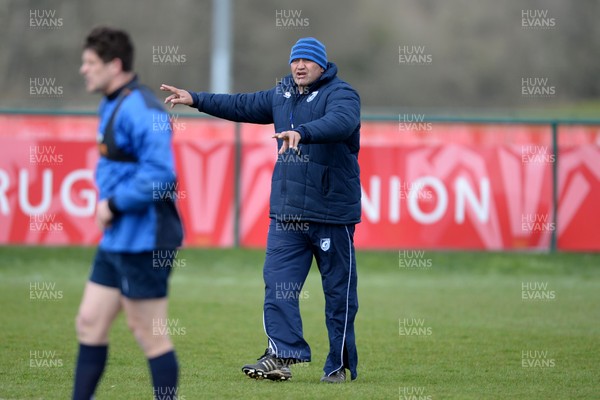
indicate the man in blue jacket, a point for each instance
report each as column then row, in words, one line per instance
column 314, row 204
column 141, row 227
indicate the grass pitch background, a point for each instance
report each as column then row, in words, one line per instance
column 471, row 303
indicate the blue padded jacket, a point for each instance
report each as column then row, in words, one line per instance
column 142, row 190
column 322, row 183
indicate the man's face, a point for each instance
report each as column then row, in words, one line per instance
column 97, row 73
column 305, row 71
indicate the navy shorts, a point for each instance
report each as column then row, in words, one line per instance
column 138, row 275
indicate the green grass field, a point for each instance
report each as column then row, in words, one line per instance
column 457, row 328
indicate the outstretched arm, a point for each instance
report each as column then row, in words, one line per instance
column 254, row 107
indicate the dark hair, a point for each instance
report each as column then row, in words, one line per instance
column 109, row 44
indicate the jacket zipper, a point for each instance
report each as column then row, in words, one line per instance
column 295, row 101
column 284, row 166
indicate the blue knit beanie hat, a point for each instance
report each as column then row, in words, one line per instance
column 310, row 49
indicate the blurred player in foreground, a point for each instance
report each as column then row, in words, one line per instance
column 314, row 205
column 141, row 226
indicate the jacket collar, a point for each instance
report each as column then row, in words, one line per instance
column 129, row 85
column 328, row 74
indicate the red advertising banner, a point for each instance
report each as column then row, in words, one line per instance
column 424, row 185
column 435, row 186
column 469, row 187
column 578, row 187
column 47, row 192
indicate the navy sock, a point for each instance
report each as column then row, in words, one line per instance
column 90, row 365
column 164, row 370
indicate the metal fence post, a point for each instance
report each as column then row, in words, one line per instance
column 553, row 238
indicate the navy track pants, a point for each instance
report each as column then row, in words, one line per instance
column 291, row 247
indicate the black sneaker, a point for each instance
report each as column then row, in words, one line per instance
column 336, row 377
column 270, row 367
